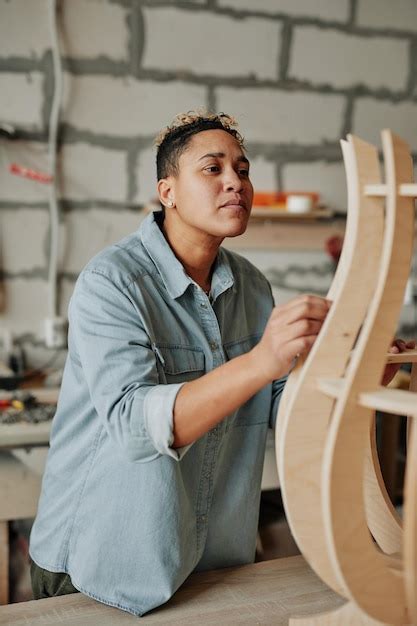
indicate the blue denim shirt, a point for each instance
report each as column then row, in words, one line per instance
column 127, row 516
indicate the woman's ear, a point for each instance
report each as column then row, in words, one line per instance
column 166, row 192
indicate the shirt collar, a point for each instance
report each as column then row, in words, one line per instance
column 222, row 278
column 175, row 279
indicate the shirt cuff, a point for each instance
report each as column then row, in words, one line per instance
column 158, row 411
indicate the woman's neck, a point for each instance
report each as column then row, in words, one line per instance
column 196, row 256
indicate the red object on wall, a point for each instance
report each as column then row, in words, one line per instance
column 334, row 247
column 27, row 172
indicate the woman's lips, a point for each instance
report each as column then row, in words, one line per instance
column 234, row 204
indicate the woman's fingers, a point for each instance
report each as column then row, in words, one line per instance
column 302, row 328
column 291, row 330
column 313, row 307
column 400, row 345
column 302, row 345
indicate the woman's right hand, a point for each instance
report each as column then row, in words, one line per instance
column 291, row 330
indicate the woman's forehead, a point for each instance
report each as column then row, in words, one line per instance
column 213, row 141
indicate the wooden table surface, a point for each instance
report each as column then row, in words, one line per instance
column 264, row 593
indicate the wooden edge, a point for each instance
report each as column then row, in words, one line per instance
column 301, row 476
column 410, row 523
column 331, row 387
column 408, row 356
column 384, row 522
column 406, row 190
column 395, row 401
column 377, row 191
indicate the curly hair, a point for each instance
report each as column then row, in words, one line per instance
column 173, row 140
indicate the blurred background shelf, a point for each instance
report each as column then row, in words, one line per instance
column 265, row 213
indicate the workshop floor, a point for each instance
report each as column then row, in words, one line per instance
column 274, row 539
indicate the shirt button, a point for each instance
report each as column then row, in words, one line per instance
column 213, row 345
column 203, row 305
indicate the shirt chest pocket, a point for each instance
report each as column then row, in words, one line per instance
column 255, row 410
column 178, row 364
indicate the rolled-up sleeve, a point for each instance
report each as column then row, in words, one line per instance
column 158, row 410
column 118, row 361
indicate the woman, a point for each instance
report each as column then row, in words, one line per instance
column 177, row 359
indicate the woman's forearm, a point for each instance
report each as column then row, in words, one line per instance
column 203, row 403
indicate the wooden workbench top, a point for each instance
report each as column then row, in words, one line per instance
column 264, row 593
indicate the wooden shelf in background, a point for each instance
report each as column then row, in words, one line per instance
column 265, row 213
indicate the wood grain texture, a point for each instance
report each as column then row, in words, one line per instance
column 408, row 356
column 410, row 524
column 407, row 190
column 376, row 588
column 383, row 519
column 347, row 615
column 349, row 531
column 395, row 401
column 265, row 594
column 304, row 416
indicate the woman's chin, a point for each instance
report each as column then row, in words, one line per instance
column 236, row 227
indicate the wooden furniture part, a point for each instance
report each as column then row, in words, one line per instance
column 410, row 525
column 305, row 412
column 264, row 593
column 371, row 581
column 339, row 466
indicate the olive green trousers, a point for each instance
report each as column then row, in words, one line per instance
column 47, row 584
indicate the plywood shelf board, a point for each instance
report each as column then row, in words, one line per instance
column 394, row 401
column 408, row 190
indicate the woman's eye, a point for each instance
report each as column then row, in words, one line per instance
column 212, row 168
column 244, row 172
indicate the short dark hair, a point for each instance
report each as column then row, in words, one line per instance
column 173, row 140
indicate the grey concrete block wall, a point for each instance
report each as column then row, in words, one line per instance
column 298, row 75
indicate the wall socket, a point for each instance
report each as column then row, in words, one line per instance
column 55, row 332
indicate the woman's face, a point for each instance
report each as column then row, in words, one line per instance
column 213, row 192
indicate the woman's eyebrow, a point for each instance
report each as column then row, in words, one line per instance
column 220, row 155
column 213, row 155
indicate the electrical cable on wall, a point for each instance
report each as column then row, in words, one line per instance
column 52, row 150
column 55, row 326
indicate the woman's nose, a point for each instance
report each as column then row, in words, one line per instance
column 232, row 181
